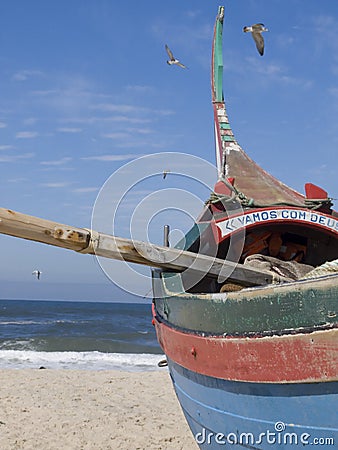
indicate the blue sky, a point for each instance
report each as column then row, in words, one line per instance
column 85, row 90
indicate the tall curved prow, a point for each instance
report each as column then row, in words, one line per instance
column 224, row 137
column 233, row 164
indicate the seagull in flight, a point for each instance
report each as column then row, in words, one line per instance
column 165, row 173
column 172, row 59
column 256, row 31
column 37, row 273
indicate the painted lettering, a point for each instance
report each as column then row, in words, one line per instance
column 241, row 220
column 233, row 224
column 227, row 226
column 236, row 223
column 330, row 223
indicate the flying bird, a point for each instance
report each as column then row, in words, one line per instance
column 37, row 273
column 256, row 31
column 172, row 59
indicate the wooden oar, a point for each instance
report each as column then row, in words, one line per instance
column 92, row 242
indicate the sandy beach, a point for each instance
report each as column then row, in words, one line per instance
column 79, row 409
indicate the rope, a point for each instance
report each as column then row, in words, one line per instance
column 328, row 268
column 318, row 203
column 245, row 201
column 237, row 195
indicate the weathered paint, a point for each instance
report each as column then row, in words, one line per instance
column 251, row 413
column 274, row 309
column 251, row 179
column 217, row 58
column 293, row 358
column 192, row 235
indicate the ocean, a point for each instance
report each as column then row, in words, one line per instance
column 77, row 335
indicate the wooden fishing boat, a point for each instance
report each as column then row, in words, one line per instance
column 245, row 307
column 255, row 366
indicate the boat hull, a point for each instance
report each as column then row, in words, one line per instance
column 258, row 367
column 256, row 415
column 274, row 382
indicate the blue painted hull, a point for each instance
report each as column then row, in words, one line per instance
column 225, row 413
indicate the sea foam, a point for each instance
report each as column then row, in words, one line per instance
column 131, row 362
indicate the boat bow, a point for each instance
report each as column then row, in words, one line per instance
column 242, row 177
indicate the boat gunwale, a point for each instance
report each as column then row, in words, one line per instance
column 272, row 310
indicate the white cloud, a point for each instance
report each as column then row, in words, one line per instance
column 3, row 125
column 23, row 75
column 140, row 130
column 285, row 41
column 139, row 88
column 30, row 121
column 123, row 108
column 125, row 119
column 272, row 72
column 60, row 184
column 58, row 162
column 26, row 134
column 17, row 180
column 333, row 91
column 120, row 135
column 6, row 147
column 85, row 190
column 96, row 119
column 325, row 25
column 115, row 107
column 325, row 36
column 46, row 92
column 69, row 130
column 15, row 158
column 193, row 14
column 123, row 157
column 75, row 96
column 78, row 103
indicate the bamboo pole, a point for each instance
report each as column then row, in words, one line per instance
column 92, row 242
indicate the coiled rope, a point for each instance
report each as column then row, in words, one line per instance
column 328, row 268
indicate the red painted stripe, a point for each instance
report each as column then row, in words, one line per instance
column 311, row 357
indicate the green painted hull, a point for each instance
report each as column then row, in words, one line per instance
column 301, row 306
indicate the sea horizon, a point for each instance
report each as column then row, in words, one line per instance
column 65, row 334
column 71, row 291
